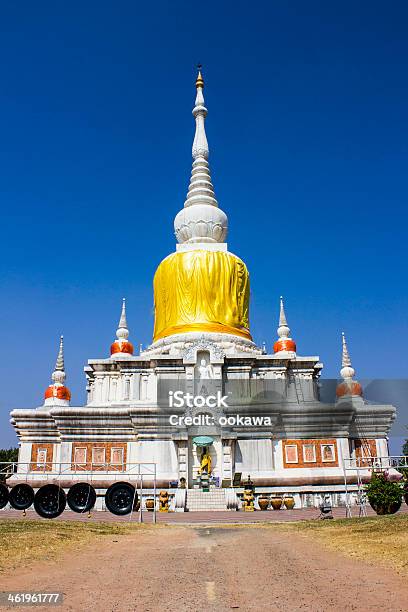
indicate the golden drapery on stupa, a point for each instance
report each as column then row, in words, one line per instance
column 201, row 291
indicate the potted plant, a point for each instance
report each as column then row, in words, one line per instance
column 385, row 497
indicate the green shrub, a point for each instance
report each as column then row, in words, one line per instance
column 384, row 496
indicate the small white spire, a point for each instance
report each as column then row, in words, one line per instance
column 349, row 387
column 122, row 333
column 58, row 376
column 57, row 394
column 122, row 320
column 60, row 359
column 200, row 143
column 121, row 348
column 283, row 329
column 346, row 371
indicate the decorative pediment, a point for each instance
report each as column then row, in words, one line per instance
column 203, row 344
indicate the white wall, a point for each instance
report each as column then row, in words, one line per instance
column 161, row 452
column 253, row 456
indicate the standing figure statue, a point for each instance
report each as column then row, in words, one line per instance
column 204, row 374
column 205, row 370
column 205, row 462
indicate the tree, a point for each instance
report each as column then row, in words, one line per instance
column 402, row 469
column 8, row 455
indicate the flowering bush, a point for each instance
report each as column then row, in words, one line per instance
column 385, row 496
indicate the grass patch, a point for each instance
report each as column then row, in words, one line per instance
column 380, row 539
column 24, row 542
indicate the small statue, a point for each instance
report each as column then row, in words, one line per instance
column 249, row 484
column 205, row 372
column 182, row 484
column 163, row 501
column 248, row 500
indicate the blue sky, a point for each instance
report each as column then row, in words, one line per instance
column 307, row 128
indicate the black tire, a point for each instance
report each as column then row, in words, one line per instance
column 4, row 495
column 120, row 498
column 81, row 497
column 50, row 501
column 21, row 496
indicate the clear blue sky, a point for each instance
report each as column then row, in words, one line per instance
column 308, row 133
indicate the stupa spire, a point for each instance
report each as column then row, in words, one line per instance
column 202, row 288
column 122, row 320
column 348, row 386
column 200, row 220
column 345, row 359
column 200, row 143
column 285, row 343
column 59, row 365
column 57, row 393
column 283, row 328
column 121, row 346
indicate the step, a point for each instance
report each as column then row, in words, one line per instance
column 213, row 500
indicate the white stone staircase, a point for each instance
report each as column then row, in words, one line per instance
column 211, row 501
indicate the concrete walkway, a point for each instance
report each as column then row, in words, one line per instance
column 192, row 518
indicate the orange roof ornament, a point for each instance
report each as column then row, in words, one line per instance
column 121, row 347
column 348, row 387
column 285, row 344
column 57, row 393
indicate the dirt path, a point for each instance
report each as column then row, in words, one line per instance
column 186, row 568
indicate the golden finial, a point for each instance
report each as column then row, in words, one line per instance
column 199, row 81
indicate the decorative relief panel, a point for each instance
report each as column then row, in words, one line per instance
column 99, row 456
column 41, row 457
column 309, row 453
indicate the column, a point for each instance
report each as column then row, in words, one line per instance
column 113, row 389
column 126, row 388
column 227, row 463
column 182, row 452
column 135, row 386
column 98, row 388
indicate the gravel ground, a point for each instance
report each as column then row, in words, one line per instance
column 211, row 568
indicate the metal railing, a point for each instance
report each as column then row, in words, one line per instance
column 89, row 472
column 362, row 467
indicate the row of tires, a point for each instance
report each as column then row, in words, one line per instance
column 51, row 500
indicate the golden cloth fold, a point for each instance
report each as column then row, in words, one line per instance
column 201, row 290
